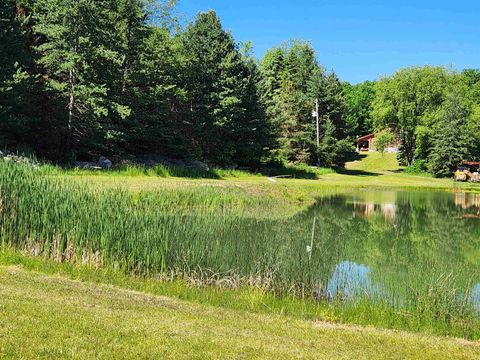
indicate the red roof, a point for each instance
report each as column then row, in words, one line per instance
column 366, row 137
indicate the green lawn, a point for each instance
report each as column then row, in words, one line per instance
column 375, row 162
column 52, row 317
column 374, row 170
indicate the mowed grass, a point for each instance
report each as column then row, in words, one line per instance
column 373, row 170
column 376, row 162
column 52, row 317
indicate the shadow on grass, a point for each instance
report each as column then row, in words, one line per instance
column 219, row 173
column 293, row 172
column 351, row 172
column 192, row 173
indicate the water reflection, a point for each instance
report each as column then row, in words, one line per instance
column 386, row 210
column 476, row 296
column 348, row 281
column 391, row 244
column 385, row 244
column 469, row 202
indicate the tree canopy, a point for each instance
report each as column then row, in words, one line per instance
column 123, row 78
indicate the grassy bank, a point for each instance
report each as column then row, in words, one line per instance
column 47, row 317
column 252, row 299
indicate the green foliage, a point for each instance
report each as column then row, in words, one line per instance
column 383, row 139
column 121, row 78
column 333, row 151
column 419, row 167
column 227, row 121
column 17, row 85
column 292, row 80
column 359, row 99
column 450, row 144
column 470, row 81
column 411, row 97
column 423, row 141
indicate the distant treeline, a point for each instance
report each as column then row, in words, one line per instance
column 83, row 78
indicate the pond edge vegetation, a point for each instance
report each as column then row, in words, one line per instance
column 36, row 215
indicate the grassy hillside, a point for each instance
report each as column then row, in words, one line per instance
column 50, row 317
column 375, row 162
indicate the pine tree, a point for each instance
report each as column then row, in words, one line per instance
column 292, row 80
column 157, row 98
column 255, row 137
column 327, row 150
column 79, row 57
column 17, row 102
column 218, row 90
column 333, row 104
column 271, row 69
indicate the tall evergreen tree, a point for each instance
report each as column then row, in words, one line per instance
column 332, row 103
column 258, row 132
column 79, row 57
column 18, row 101
column 158, row 98
column 292, row 80
column 218, row 89
column 287, row 92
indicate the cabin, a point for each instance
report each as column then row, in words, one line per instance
column 367, row 143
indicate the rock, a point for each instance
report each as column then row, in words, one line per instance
column 87, row 165
column 104, row 163
column 19, row 159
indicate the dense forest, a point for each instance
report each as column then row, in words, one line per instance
column 123, row 78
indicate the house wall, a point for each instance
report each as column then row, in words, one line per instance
column 392, row 148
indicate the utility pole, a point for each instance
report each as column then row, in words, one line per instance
column 317, row 116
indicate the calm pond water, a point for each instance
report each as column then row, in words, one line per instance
column 379, row 244
column 386, row 243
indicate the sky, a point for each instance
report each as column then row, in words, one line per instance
column 360, row 40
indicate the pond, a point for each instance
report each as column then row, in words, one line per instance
column 388, row 243
column 381, row 245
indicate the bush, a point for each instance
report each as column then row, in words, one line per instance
column 419, row 167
